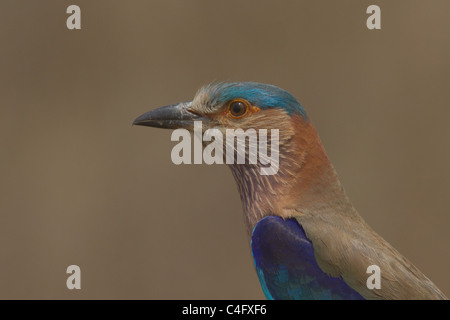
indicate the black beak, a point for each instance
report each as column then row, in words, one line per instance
column 170, row 117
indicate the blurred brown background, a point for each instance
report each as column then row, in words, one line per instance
column 80, row 185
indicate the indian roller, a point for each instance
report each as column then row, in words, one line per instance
column 307, row 239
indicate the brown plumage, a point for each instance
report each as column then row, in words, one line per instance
column 305, row 188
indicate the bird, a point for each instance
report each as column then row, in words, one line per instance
column 308, row 242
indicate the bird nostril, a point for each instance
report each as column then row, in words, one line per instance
column 193, row 111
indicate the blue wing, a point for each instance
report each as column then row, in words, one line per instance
column 286, row 267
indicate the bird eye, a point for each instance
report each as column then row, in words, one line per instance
column 238, row 109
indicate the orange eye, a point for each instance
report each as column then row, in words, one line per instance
column 238, row 108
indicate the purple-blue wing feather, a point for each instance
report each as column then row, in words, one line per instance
column 286, row 266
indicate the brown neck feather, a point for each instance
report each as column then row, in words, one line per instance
column 306, row 182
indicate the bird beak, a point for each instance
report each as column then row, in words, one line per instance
column 170, row 117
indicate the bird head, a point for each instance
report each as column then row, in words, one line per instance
column 239, row 105
column 250, row 105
